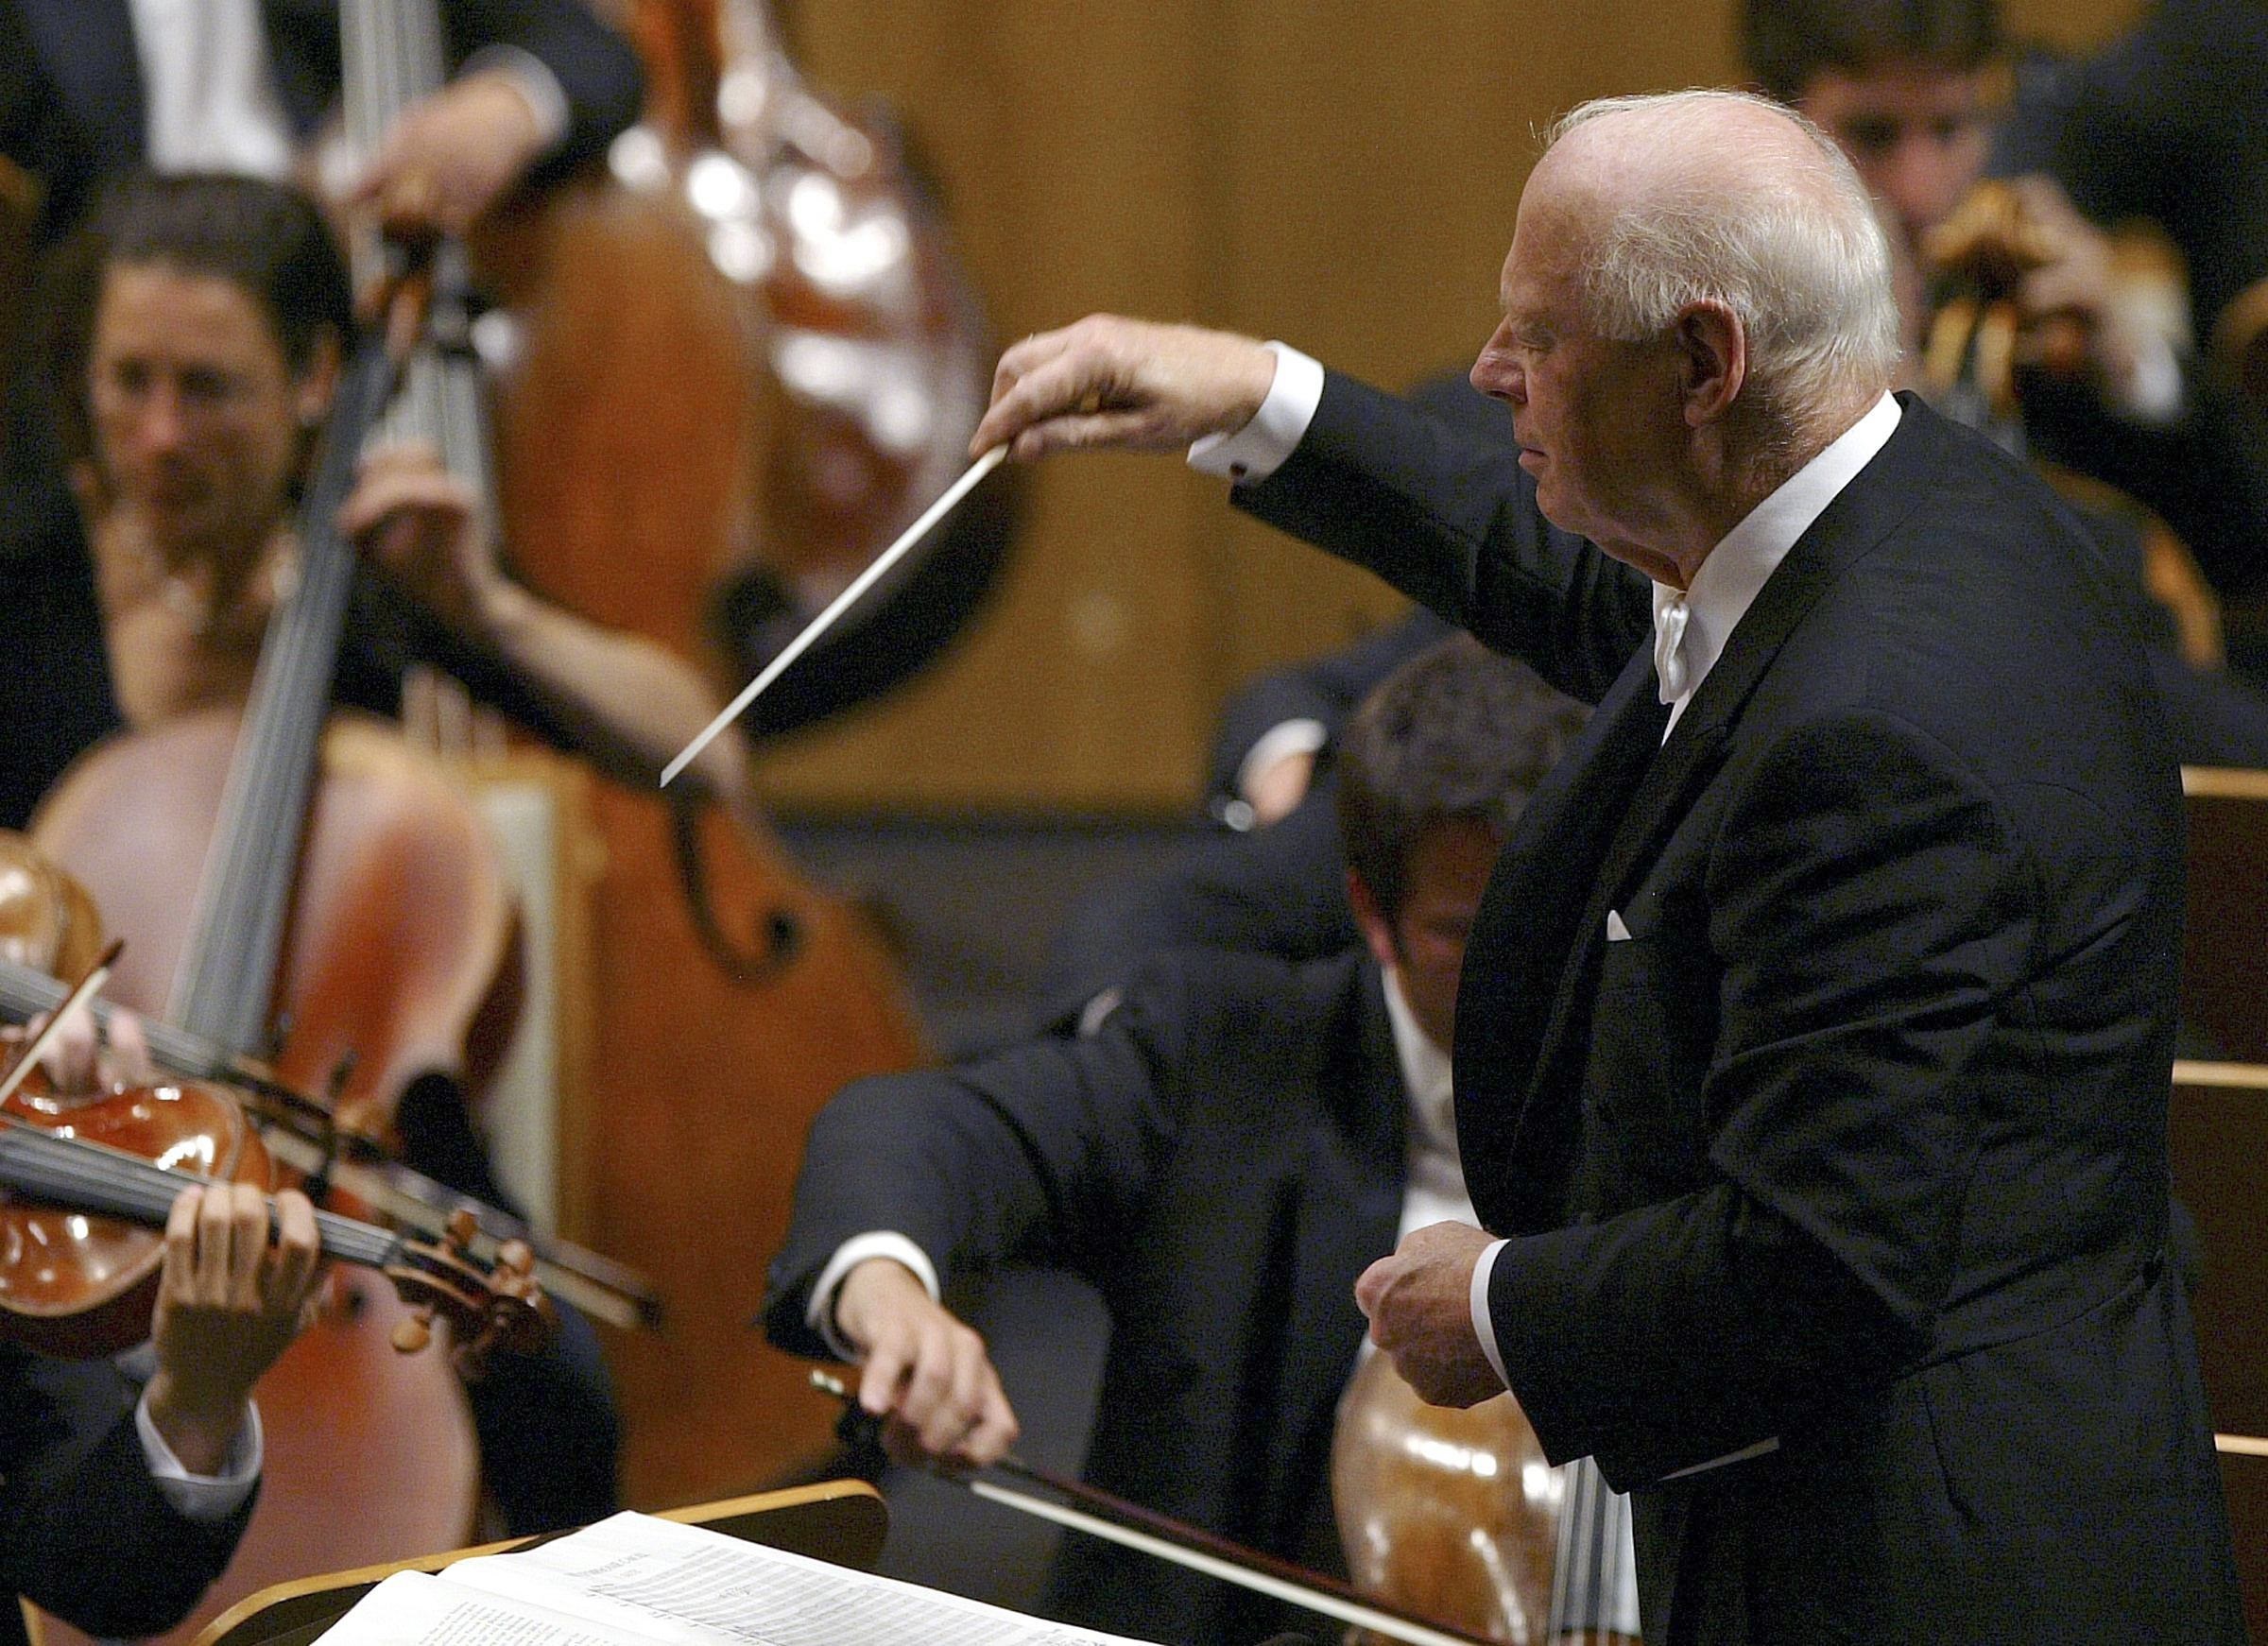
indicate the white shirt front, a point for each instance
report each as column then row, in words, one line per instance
column 209, row 93
column 1734, row 572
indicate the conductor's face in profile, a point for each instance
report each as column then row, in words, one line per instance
column 1598, row 420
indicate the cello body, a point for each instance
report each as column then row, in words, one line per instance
column 369, row 1454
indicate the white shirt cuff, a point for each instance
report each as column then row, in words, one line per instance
column 1281, row 741
column 204, row 1497
column 1481, row 1328
column 1257, row 450
column 819, row 1317
column 2155, row 396
column 532, row 78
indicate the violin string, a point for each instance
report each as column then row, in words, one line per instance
column 76, row 1169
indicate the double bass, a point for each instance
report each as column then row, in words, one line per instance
column 661, row 428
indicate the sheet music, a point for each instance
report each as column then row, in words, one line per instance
column 634, row 1578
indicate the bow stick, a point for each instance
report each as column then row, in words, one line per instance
column 85, row 988
column 840, row 604
column 1134, row 1527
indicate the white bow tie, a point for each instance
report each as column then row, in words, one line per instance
column 1669, row 665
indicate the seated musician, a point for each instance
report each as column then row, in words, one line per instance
column 1907, row 92
column 117, row 1507
column 538, row 88
column 192, row 346
column 1221, row 1157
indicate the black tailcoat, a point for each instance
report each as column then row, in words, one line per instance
column 1858, row 1142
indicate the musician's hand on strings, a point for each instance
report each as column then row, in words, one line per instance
column 450, row 160
column 926, row 1375
column 1419, row 1305
column 231, row 1294
column 88, row 1056
column 2106, row 337
column 421, row 524
column 1109, row 383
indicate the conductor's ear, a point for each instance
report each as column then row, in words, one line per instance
column 1713, row 344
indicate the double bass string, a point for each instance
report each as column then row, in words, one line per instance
column 842, row 603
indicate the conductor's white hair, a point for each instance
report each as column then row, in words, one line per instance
column 1795, row 250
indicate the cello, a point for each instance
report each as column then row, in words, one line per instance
column 315, row 846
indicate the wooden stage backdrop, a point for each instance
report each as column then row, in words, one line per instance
column 1338, row 173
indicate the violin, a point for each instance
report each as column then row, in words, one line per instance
column 78, row 1287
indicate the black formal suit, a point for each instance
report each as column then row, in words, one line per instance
column 84, row 1529
column 1221, row 1159
column 1858, row 1142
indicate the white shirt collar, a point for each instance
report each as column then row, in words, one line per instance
column 1735, row 569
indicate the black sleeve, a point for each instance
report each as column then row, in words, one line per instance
column 596, row 69
column 1452, row 523
column 1279, row 891
column 1045, row 1152
column 1325, row 690
column 84, row 1529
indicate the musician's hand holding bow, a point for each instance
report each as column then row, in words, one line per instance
column 87, row 1057
column 1418, row 1301
column 1108, row 383
column 926, row 1375
column 231, row 1294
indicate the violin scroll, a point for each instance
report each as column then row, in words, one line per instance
column 490, row 1307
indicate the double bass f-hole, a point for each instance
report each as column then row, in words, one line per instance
column 778, row 936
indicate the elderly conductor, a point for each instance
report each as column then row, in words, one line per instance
column 1813, row 1042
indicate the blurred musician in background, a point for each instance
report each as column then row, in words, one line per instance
column 119, row 1503
column 89, row 90
column 1221, row 1156
column 1910, row 89
column 193, row 341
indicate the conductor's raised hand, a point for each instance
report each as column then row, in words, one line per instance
column 231, row 1293
column 926, row 1375
column 1111, row 383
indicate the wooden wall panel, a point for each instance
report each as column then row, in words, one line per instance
column 1339, row 173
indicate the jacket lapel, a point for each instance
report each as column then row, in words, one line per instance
column 1615, row 823
column 1528, row 930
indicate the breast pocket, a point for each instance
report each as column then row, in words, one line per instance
column 1651, row 1040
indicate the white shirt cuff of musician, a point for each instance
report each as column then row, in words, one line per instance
column 1479, row 1295
column 1279, row 742
column 820, row 1315
column 531, row 77
column 2155, row 392
column 1257, row 450
column 203, row 1498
